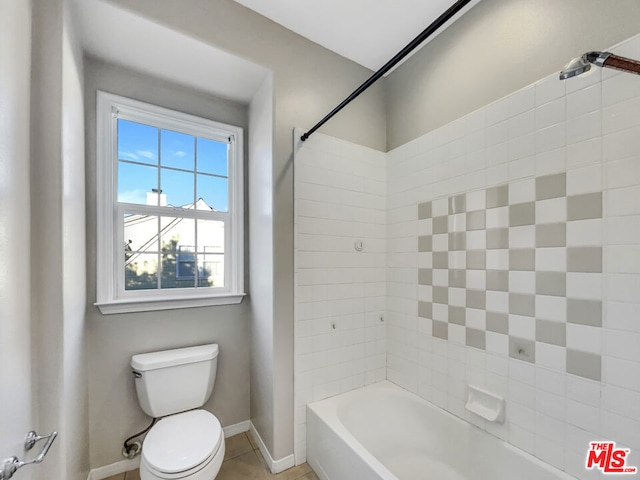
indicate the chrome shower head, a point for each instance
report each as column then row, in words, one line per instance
column 575, row 67
column 583, row 64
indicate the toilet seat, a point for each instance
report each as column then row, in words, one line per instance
column 183, row 444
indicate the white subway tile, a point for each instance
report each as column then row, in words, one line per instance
column 550, row 307
column 553, row 210
column 584, row 101
column 497, row 217
column 521, row 101
column 522, row 282
column 522, row 327
column 497, row 259
column 621, row 316
column 551, row 381
column 584, row 232
column 522, row 438
column 584, row 338
column 622, row 173
column 621, row 401
column 521, row 124
column 622, row 259
column 497, row 111
column 497, row 343
column 551, row 161
column 584, row 285
column 476, row 279
column 623, row 345
column 585, row 152
column 551, row 113
column 582, row 415
column 522, row 191
column 584, row 180
column 592, row 77
column 584, row 127
column 522, row 237
column 622, row 430
column 550, row 138
column 621, row 116
column 621, row 145
column 550, row 404
column 497, row 302
column 623, row 287
column 551, row 356
column 620, row 88
column 621, row 373
column 622, row 201
column 549, row 89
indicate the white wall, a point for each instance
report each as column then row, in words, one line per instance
column 579, row 383
column 18, row 404
column 339, row 292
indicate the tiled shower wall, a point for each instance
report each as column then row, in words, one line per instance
column 513, row 240
column 340, row 204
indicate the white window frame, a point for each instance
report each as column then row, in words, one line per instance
column 111, row 297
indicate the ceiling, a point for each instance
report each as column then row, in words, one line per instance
column 150, row 48
column 365, row 31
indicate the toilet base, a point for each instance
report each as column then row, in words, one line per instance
column 206, row 472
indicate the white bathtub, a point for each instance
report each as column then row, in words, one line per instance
column 383, row 432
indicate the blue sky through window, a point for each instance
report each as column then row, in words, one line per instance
column 138, row 144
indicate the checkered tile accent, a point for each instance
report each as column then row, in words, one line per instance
column 505, row 270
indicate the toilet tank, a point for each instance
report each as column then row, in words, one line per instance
column 174, row 381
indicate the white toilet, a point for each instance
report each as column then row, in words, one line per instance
column 187, row 442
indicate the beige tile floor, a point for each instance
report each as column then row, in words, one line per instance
column 243, row 461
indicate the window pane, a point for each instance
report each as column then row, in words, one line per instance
column 177, row 186
column 140, row 233
column 210, row 270
column 177, row 150
column 210, row 248
column 212, row 157
column 214, row 191
column 178, row 252
column 141, row 271
column 136, row 183
column 178, row 270
column 137, row 142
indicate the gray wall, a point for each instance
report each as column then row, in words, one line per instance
column 261, row 256
column 308, row 82
column 114, row 412
column 19, row 407
column 58, row 260
column 498, row 47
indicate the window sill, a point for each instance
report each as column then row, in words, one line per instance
column 130, row 306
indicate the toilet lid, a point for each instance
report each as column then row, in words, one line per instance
column 183, row 441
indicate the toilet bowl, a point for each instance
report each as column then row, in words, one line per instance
column 186, row 442
column 187, row 445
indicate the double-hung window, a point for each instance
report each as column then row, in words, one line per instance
column 170, row 208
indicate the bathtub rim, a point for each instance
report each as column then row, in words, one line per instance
column 327, row 411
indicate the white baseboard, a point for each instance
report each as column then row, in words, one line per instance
column 232, row 430
column 122, row 466
column 276, row 466
column 114, row 469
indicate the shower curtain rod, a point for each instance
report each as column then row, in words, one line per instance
column 426, row 33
